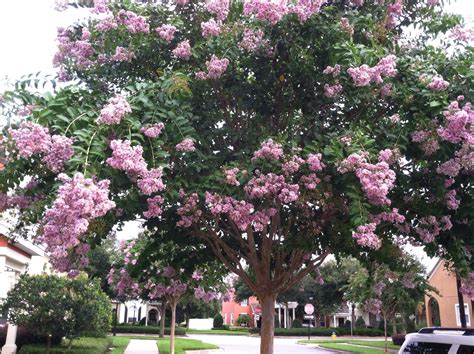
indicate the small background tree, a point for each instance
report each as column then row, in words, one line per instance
column 53, row 305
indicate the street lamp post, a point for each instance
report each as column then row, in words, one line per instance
column 115, row 319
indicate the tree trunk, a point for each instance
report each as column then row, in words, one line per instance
column 173, row 324
column 268, row 324
column 385, row 332
column 162, row 321
column 462, row 312
column 394, row 326
column 48, row 344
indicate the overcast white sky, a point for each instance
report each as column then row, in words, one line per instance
column 27, row 45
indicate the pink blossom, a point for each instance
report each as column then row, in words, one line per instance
column 334, row 71
column 31, row 138
column 150, row 181
column 311, row 181
column 361, row 75
column 366, row 237
column 114, row 111
column 216, row 67
column 428, row 229
column 183, row 50
column 332, row 90
column 377, row 180
column 134, row 23
column 394, row 118
column 59, row 152
column 346, row 26
column 432, row 2
column 461, row 34
column 364, row 75
column 408, row 281
column 314, row 162
column 100, row 6
column 438, row 84
column 210, row 28
column 393, row 12
column 231, row 176
column 252, row 40
column 373, row 306
column 467, row 286
column 123, row 54
column 219, row 7
column 269, row 185
column 393, row 217
column 197, row 275
column 154, row 207
column 266, row 10
column 106, row 24
column 292, row 166
column 304, row 9
column 79, row 201
column 186, row 145
column 189, row 212
column 378, row 288
column 449, row 168
column 182, row 2
column 166, row 32
column 127, row 158
column 451, row 201
column 269, row 150
column 152, row 131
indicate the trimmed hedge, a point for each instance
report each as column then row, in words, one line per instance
column 83, row 345
column 179, row 331
column 327, row 332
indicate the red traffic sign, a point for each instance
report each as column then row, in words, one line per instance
column 309, row 309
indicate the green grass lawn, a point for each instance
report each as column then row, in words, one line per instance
column 83, row 345
column 183, row 344
column 351, row 349
column 218, row 331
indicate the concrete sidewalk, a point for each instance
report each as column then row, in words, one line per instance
column 141, row 346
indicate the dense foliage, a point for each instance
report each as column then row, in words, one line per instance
column 50, row 305
column 278, row 133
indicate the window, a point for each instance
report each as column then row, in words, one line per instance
column 427, row 348
column 225, row 318
column 458, row 317
column 231, row 318
column 244, row 302
column 465, row 349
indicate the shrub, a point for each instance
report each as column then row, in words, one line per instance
column 347, row 324
column 83, row 345
column 398, row 339
column 179, row 331
column 218, row 321
column 243, row 320
column 360, row 323
column 297, row 324
column 327, row 332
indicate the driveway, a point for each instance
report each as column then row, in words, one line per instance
column 251, row 345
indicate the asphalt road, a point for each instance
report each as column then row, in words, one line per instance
column 251, row 345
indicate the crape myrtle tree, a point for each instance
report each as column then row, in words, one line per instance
column 386, row 292
column 276, row 132
column 152, row 269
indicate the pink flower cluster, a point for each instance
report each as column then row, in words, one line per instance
column 187, row 145
column 183, row 50
column 408, row 281
column 31, row 138
column 216, row 67
column 429, row 228
column 461, row 34
column 314, row 162
column 266, row 10
column 201, row 294
column 438, row 84
column 231, row 176
column 428, row 140
column 123, row 54
column 123, row 283
column 240, row 212
column 114, row 111
column 79, row 201
column 304, row 9
column 332, row 70
column 364, row 75
column 378, row 288
column 152, row 131
column 365, row 236
column 78, row 52
column 332, row 90
column 393, row 217
column 134, row 23
column 270, row 186
column 310, row 181
column 210, row 28
column 189, row 212
column 467, row 286
column 451, row 201
column 130, row 160
column 269, row 150
column 376, row 179
column 166, row 32
column 220, row 8
column 106, row 24
column 154, row 207
column 346, row 26
column 292, row 166
column 373, row 306
column 100, row 6
column 393, row 12
column 252, row 40
column 432, row 2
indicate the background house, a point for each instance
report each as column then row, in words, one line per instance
column 443, row 309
